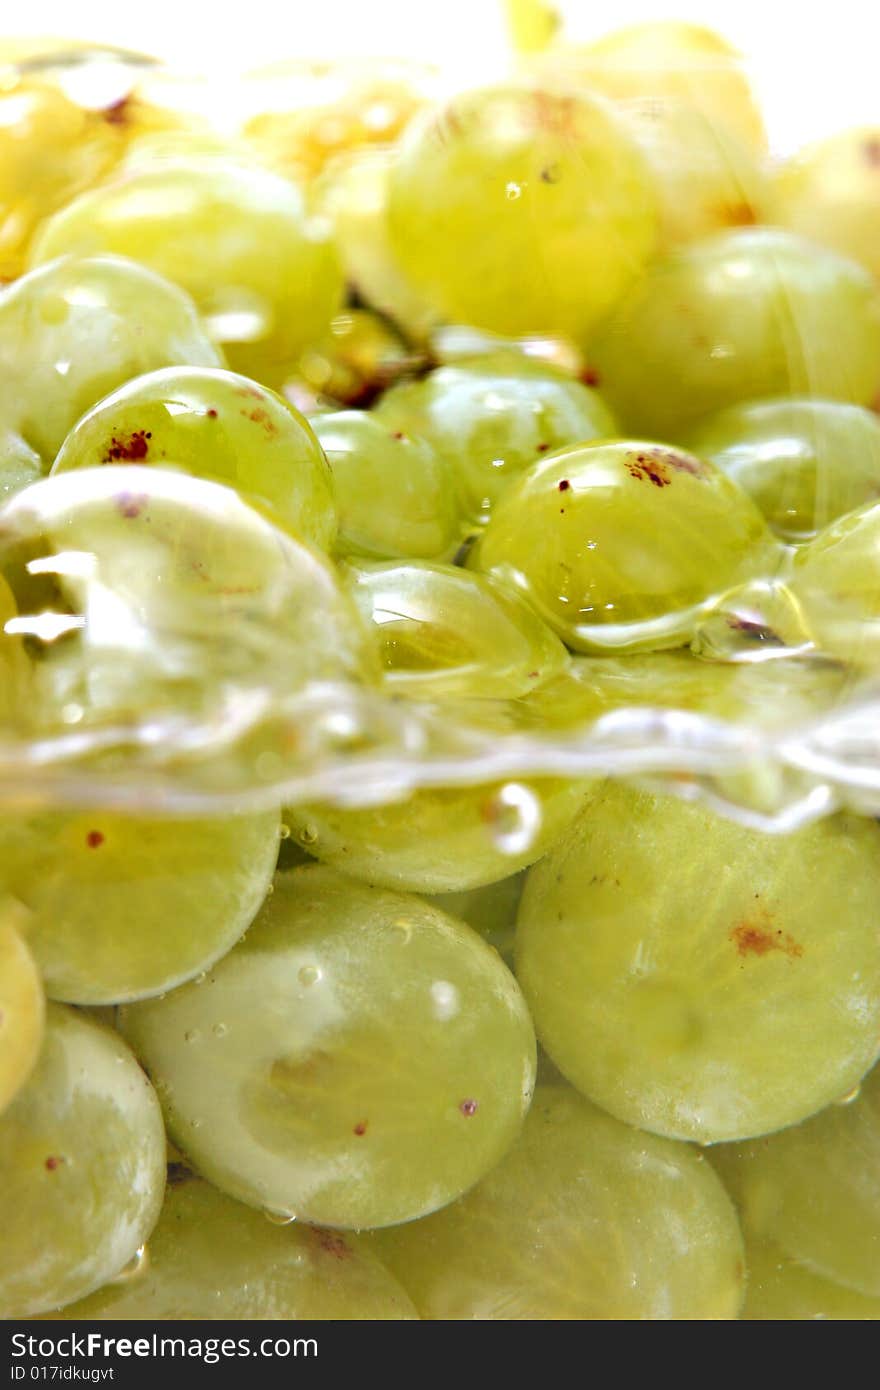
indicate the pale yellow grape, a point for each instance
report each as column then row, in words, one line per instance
column 20, row 465
column 263, row 274
column 82, row 1167
column 21, row 1004
column 490, row 910
column 210, row 1258
column 78, row 328
column 836, row 581
column 584, row 1219
column 441, row 630
column 15, row 666
column 830, row 191
column 357, row 1060
column 781, row 1290
column 521, row 210
column 214, row 424
column 814, row 1189
column 681, row 969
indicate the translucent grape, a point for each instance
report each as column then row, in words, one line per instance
column 210, row 1258
column 217, row 425
column 82, row 1168
column 781, row 1290
column 20, row 465
column 836, row 581
column 814, row 1189
column 206, row 224
column 490, row 910
column 376, row 1058
column 804, row 463
column 521, row 210
column 491, row 417
column 21, row 1005
column 743, row 314
column 618, row 545
column 74, row 330
column 417, row 514
column 444, row 631
column 831, row 192
column 124, row 907
column 584, row 1219
column 681, row 971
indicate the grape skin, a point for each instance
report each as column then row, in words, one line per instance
column 22, row 1008
column 830, row 192
column 781, row 1290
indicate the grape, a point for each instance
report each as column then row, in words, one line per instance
column 359, row 1059
column 237, row 239
column 584, row 1219
column 619, row 545
column 125, row 907
column 831, row 192
column 19, row 464
column 681, row 971
column 780, row 1290
column 360, row 355
column 21, row 1005
column 446, row 631
column 218, row 425
column 743, row 314
column 836, row 581
column 664, row 61
column 493, row 416
column 521, row 210
column 804, row 463
column 82, row 1168
column 210, row 1258
column 814, row 1190
column 74, row 330
column 490, row 910
column 417, row 515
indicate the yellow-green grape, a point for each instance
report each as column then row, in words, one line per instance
column 831, row 192
column 664, row 60
column 442, row 839
column 82, row 1168
column 584, row 1219
column 751, row 313
column 22, row 1008
column 361, row 355
column 359, row 1059
column 781, row 1290
column 620, row 545
column 682, row 972
column 395, row 494
column 15, row 664
column 521, row 210
column 706, row 178
column 491, row 417
column 20, row 465
column 804, row 463
column 264, row 275
column 443, row 631
column 814, row 1189
column 218, row 425
column 123, row 907
column 74, row 330
column 836, row 581
column 50, row 150
column 210, row 1258
column 490, row 910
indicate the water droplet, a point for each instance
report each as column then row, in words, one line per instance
column 401, row 930
column 220, row 1030
column 514, row 190
column 285, row 831
column 307, row 835
column 514, row 818
column 850, row 1096
column 279, row 1218
column 136, row 1267
column 199, row 979
column 195, row 1124
column 444, row 997
column 309, row 975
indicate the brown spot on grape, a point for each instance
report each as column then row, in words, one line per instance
column 332, row 1243
column 398, row 434
column 754, row 632
column 564, row 485
column 737, row 214
column 760, row 938
column 543, row 447
column 94, row 839
column 247, row 390
column 654, row 465
column 53, row 1162
column 128, row 505
column 871, row 151
column 360, row 1128
column 211, row 414
column 590, row 376
column 262, row 417
column 117, row 113
column 551, row 174
column 468, row 1108
column 130, row 450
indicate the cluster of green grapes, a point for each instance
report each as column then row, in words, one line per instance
column 604, row 382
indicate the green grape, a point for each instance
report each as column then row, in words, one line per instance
column 743, row 314
column 20, row 465
column 74, row 330
column 21, row 1005
column 804, row 463
column 814, row 1189
column 360, row 355
column 236, row 238
column 831, row 193
column 705, row 177
column 217, row 425
column 15, row 666
column 490, row 910
column 491, row 417
column 359, row 1059
column 584, row 1219
column 82, row 1168
column 620, row 545
column 447, row 631
column 521, row 210
column 125, row 907
column 210, row 1258
column 781, row 1290
column 836, row 581
column 681, row 971
column 394, row 493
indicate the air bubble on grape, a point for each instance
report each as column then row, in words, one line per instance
column 309, row 975
column 513, row 815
